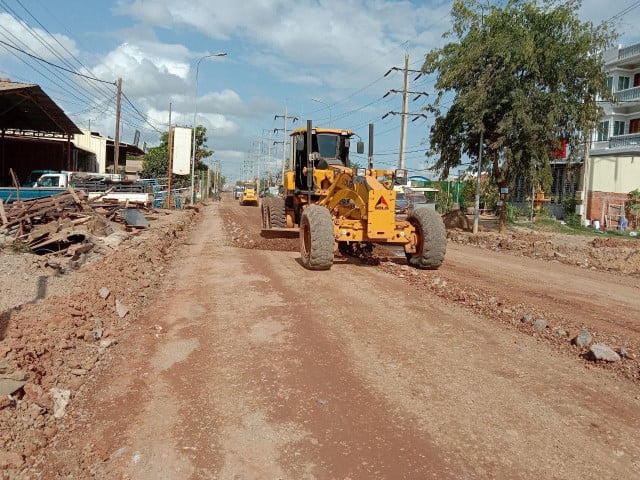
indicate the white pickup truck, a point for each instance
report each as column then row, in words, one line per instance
column 104, row 185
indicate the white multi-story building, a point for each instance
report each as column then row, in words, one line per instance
column 613, row 167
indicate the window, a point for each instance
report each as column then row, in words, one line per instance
column 603, row 131
column 618, row 128
column 623, row 83
column 610, row 84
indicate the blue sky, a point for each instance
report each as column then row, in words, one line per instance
column 280, row 54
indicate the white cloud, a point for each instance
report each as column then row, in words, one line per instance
column 147, row 68
column 34, row 40
column 360, row 37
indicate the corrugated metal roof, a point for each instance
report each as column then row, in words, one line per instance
column 25, row 107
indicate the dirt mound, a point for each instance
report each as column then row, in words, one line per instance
column 456, row 219
column 608, row 254
column 60, row 338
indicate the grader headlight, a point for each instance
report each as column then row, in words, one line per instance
column 361, row 172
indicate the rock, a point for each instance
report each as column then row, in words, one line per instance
column 10, row 460
column 583, row 339
column 560, row 332
column 107, row 343
column 36, row 394
column 599, row 351
column 97, row 333
column 11, row 379
column 60, row 399
column 121, row 309
column 623, row 352
column 540, row 324
column 6, row 401
column 104, row 293
column 528, row 318
column 78, row 372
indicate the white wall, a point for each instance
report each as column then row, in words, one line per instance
column 95, row 144
column 614, row 174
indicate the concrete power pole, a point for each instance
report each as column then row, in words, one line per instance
column 405, row 114
column 284, row 117
column 116, row 141
column 405, row 111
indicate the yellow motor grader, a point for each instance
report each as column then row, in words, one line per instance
column 334, row 206
column 249, row 195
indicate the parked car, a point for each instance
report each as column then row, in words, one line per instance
column 417, row 200
column 401, row 203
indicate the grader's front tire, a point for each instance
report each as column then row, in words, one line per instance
column 431, row 239
column 316, row 238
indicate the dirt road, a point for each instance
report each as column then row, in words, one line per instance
column 251, row 367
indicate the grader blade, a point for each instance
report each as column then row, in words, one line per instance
column 280, row 232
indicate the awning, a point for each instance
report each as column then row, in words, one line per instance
column 26, row 108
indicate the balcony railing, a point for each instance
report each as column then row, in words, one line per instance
column 628, row 95
column 629, row 51
column 620, row 141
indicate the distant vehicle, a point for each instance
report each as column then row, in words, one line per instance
column 237, row 191
column 249, row 196
column 401, row 203
column 416, row 201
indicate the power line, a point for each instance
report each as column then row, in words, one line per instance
column 623, row 12
column 54, row 65
column 106, row 93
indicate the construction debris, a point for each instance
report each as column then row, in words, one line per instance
column 67, row 223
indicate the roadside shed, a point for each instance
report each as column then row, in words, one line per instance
column 35, row 133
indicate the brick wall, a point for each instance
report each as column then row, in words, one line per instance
column 601, row 205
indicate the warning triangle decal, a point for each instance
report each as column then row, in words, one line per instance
column 382, row 204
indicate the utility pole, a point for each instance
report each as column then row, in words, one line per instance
column 405, row 110
column 584, row 180
column 405, row 106
column 267, row 164
column 284, row 117
column 116, row 141
column 168, row 199
column 476, row 215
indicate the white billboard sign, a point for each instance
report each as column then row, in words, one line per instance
column 182, row 142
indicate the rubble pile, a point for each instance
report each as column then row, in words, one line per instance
column 54, row 340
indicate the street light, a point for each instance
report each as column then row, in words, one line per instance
column 324, row 103
column 195, row 115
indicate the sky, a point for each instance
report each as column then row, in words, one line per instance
column 328, row 61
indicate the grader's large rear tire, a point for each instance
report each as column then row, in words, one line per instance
column 316, row 238
column 431, row 239
column 277, row 213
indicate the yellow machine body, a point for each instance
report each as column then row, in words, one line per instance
column 249, row 195
column 360, row 203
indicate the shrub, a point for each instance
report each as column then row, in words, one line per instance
column 569, row 205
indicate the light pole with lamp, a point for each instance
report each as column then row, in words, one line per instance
column 324, row 103
column 195, row 115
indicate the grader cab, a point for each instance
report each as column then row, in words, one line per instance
column 332, row 205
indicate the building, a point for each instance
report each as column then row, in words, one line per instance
column 613, row 164
column 36, row 134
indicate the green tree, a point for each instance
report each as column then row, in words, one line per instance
column 525, row 76
column 156, row 161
